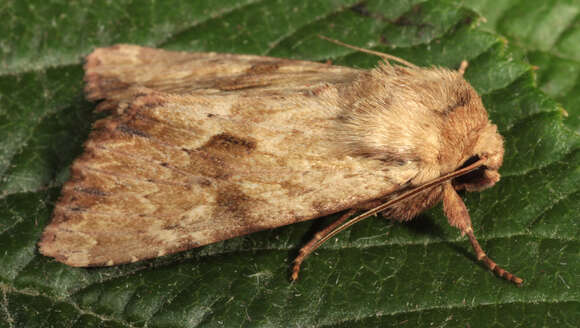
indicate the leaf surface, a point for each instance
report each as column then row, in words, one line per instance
column 378, row 273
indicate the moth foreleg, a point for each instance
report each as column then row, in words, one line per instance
column 313, row 243
column 458, row 217
column 481, row 256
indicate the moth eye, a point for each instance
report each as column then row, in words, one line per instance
column 469, row 161
column 473, row 177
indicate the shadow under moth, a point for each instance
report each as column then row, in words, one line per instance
column 203, row 147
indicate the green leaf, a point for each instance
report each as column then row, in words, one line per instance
column 378, row 273
column 548, row 32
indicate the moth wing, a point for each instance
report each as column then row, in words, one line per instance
column 116, row 73
column 171, row 172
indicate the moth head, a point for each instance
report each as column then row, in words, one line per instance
column 489, row 147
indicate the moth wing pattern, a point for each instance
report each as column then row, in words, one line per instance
column 183, row 164
column 113, row 73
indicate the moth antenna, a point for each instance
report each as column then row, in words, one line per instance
column 376, row 53
column 336, row 227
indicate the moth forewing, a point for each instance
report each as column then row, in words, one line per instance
column 203, row 147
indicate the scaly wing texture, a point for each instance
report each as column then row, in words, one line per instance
column 171, row 172
column 113, row 73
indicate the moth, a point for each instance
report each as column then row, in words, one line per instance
column 203, row 147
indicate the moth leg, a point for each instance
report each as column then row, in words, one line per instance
column 463, row 67
column 313, row 243
column 459, row 217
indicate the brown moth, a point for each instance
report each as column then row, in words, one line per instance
column 202, row 147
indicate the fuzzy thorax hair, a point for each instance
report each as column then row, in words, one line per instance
column 422, row 122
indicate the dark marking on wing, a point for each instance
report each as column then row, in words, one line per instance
column 225, row 142
column 263, row 68
column 253, row 77
column 208, row 164
column 132, row 131
column 92, row 191
column 233, row 213
column 233, row 202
